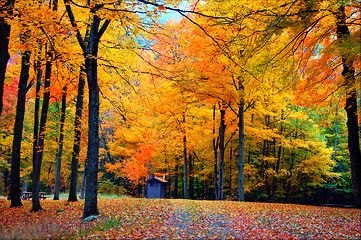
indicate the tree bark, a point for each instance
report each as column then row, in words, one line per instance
column 348, row 74
column 39, row 156
column 191, row 178
column 185, row 171
column 18, row 130
column 59, row 155
column 7, row 9
column 176, row 174
column 39, row 73
column 77, row 136
column 240, row 163
column 275, row 178
column 215, row 151
column 222, row 129
column 230, row 171
column 90, row 206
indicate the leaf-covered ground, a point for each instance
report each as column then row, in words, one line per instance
column 153, row 218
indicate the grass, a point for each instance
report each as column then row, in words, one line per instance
column 64, row 196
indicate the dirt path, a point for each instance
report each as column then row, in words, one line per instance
column 197, row 222
column 185, row 223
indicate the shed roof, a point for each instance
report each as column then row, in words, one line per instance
column 158, row 179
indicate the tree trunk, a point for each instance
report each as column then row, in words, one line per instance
column 39, row 73
column 185, row 175
column 348, row 74
column 289, row 180
column 91, row 200
column 7, row 9
column 90, row 51
column 18, row 130
column 59, row 155
column 176, row 179
column 191, row 179
column 215, row 151
column 230, row 171
column 77, row 136
column 39, row 156
column 240, row 163
column 275, row 177
column 222, row 129
column 198, row 189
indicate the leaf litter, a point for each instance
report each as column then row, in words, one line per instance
column 178, row 219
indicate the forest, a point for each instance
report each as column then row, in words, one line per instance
column 255, row 101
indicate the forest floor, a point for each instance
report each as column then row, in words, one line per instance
column 178, row 219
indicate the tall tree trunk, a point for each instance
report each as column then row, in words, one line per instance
column 289, row 180
column 176, row 174
column 169, row 178
column 191, row 178
column 18, row 131
column 90, row 207
column 348, row 73
column 230, row 171
column 215, row 151
column 222, row 129
column 39, row 73
column 275, row 177
column 7, row 10
column 90, row 51
column 39, row 156
column 59, row 155
column 91, row 65
column 240, row 163
column 198, row 189
column 77, row 136
column 185, row 174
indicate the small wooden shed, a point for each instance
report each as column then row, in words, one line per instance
column 156, row 187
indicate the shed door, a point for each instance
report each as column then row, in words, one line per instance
column 153, row 190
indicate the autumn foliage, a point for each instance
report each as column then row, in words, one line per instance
column 256, row 101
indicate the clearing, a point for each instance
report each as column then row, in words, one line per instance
column 165, row 218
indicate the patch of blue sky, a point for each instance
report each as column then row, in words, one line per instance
column 163, row 18
column 174, row 15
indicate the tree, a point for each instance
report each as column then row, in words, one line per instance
column 41, row 138
column 348, row 73
column 77, row 135
column 90, row 52
column 6, row 11
column 18, row 130
column 185, row 171
column 222, row 129
column 335, row 56
column 59, row 155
